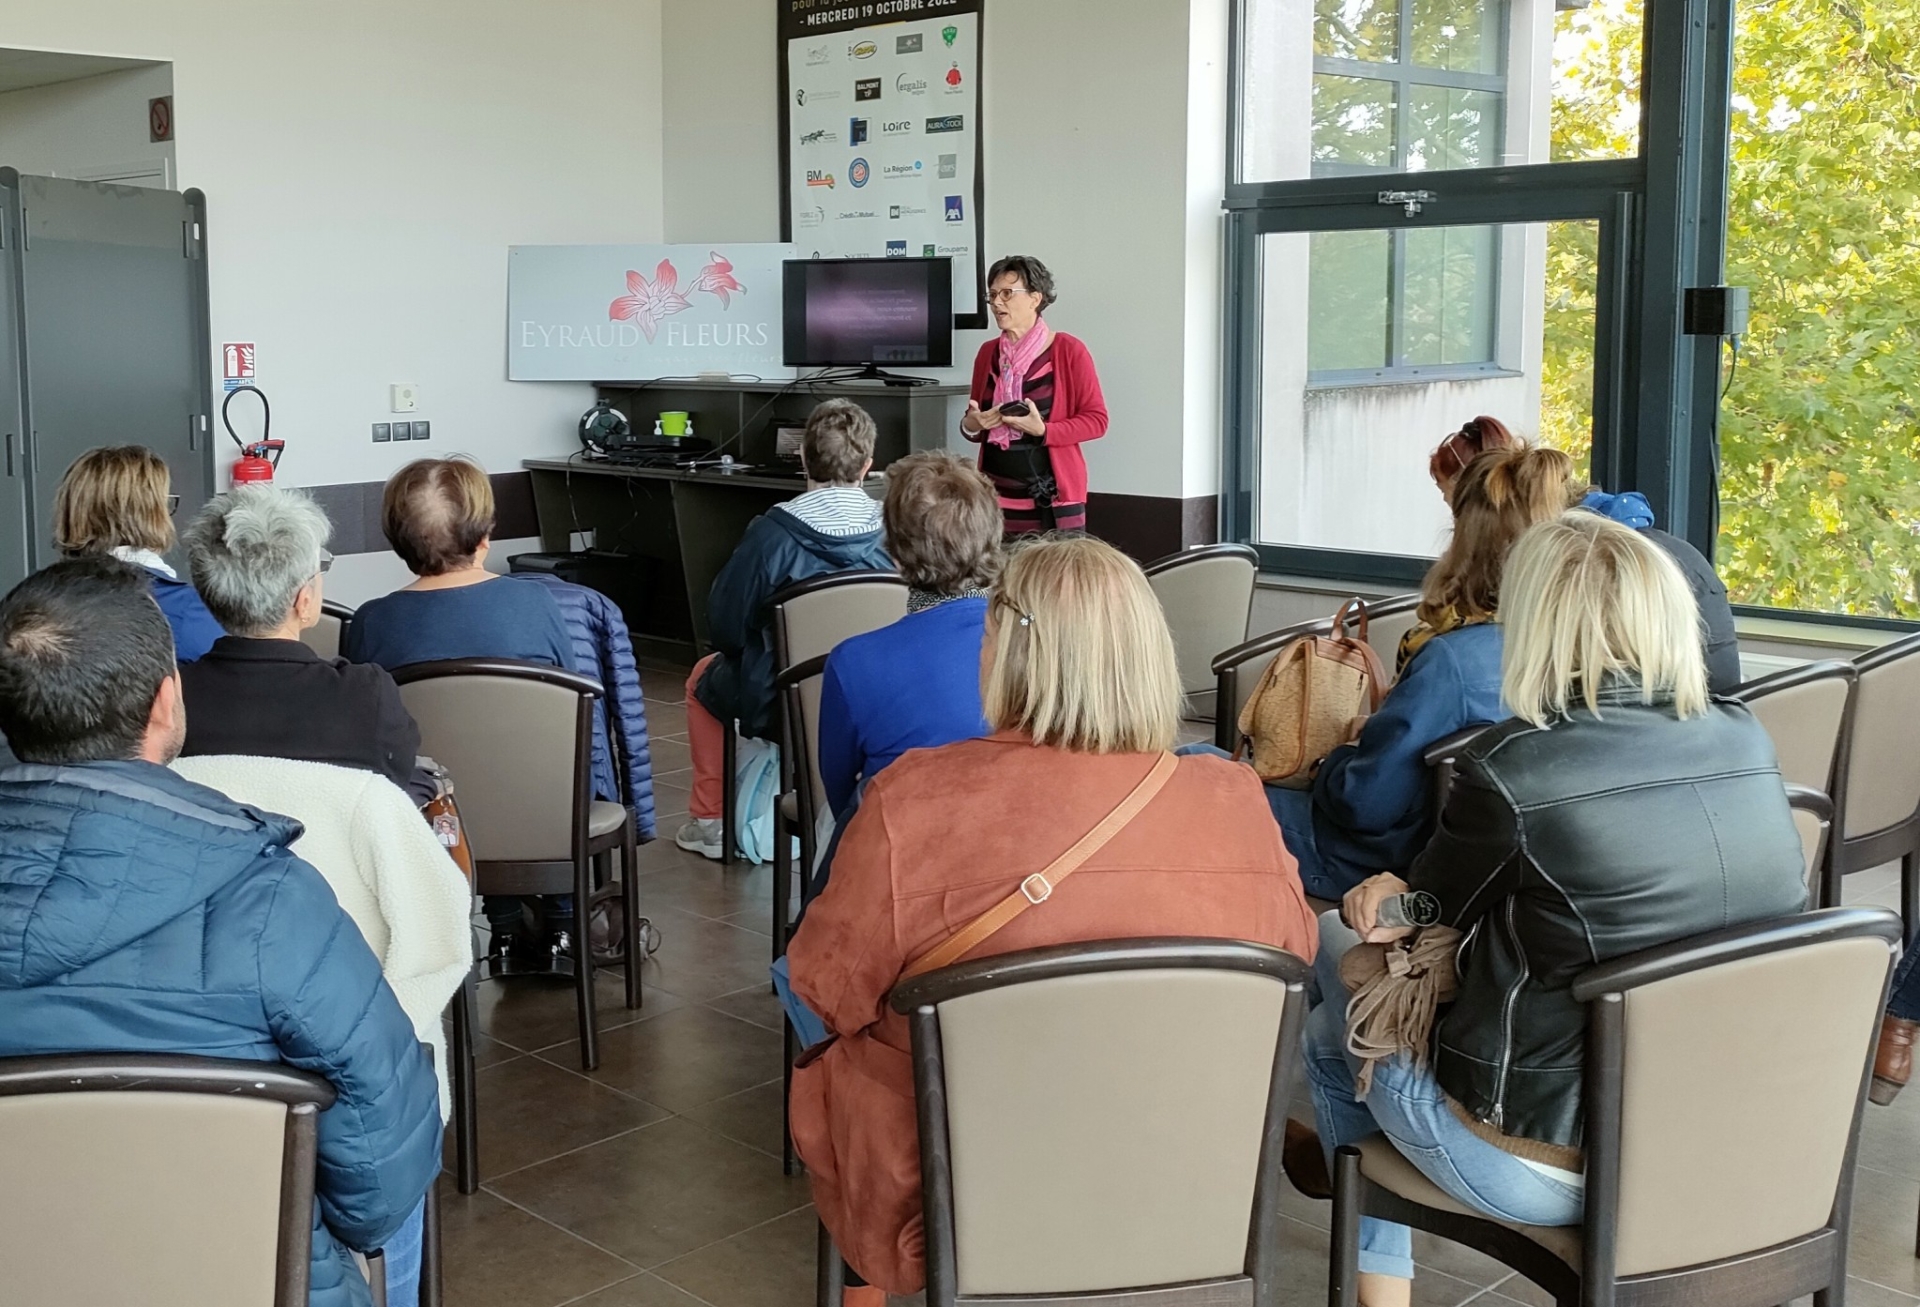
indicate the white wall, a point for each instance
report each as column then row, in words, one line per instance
column 366, row 164
column 86, row 127
column 1104, row 157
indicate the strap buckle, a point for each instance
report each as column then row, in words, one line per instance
column 1046, row 889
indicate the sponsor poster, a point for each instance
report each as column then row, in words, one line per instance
column 880, row 149
column 644, row 312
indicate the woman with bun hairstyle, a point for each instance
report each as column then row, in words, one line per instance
column 1370, row 806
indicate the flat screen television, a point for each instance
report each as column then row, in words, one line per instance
column 868, row 313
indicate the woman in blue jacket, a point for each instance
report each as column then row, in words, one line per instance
column 1370, row 807
column 119, row 500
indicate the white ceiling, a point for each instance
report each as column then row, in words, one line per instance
column 20, row 69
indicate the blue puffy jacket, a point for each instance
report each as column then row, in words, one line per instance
column 1373, row 800
column 194, row 628
column 603, row 649
column 142, row 913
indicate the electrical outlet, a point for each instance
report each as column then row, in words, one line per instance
column 406, row 396
column 403, row 431
column 382, row 432
column 422, row 430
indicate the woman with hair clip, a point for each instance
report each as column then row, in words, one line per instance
column 1369, row 809
column 1082, row 690
column 1613, row 738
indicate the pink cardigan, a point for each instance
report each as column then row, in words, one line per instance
column 1079, row 410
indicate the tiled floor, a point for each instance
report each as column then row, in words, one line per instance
column 655, row 1181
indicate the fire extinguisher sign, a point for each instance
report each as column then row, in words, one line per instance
column 237, row 363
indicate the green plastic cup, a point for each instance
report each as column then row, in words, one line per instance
column 673, row 425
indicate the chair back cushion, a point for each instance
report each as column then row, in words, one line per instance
column 1804, row 719
column 1883, row 771
column 323, row 637
column 161, row 1199
column 808, row 727
column 512, row 748
column 1105, row 1128
column 1739, row 1091
column 811, row 624
column 1207, row 602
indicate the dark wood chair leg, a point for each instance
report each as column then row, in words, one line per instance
column 729, row 800
column 1343, row 1255
column 466, row 1126
column 782, row 879
column 630, row 910
column 830, row 1273
column 1910, row 895
column 432, row 1269
column 583, row 963
column 786, row 1101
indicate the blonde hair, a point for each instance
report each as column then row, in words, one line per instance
column 1588, row 598
column 110, row 497
column 1081, row 658
column 435, row 512
column 1501, row 493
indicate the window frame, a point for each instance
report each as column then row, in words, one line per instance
column 1664, row 229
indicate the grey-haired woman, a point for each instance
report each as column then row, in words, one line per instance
column 258, row 556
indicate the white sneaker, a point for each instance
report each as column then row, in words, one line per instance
column 701, row 835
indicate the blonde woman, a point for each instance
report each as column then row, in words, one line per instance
column 1082, row 693
column 119, row 500
column 1651, row 813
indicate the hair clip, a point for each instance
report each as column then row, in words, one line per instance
column 1026, row 619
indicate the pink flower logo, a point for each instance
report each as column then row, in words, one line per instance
column 647, row 302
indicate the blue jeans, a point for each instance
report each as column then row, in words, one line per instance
column 1904, row 999
column 402, row 1255
column 1324, row 876
column 1407, row 1106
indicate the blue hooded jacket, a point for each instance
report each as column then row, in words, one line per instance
column 142, row 913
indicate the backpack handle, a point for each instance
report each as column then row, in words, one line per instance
column 1354, row 610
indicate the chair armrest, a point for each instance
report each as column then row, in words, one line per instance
column 1807, row 799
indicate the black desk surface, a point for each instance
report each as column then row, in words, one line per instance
column 754, row 478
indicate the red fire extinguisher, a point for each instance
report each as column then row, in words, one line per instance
column 258, row 458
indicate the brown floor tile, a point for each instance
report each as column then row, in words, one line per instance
column 751, row 1117
column 701, row 959
column 1883, row 1228
column 759, row 920
column 531, row 1012
column 669, row 755
column 671, row 801
column 496, row 1255
column 755, row 1003
column 685, row 1058
column 686, row 882
column 532, row 1110
column 659, row 1193
column 771, row 1265
column 644, row 1290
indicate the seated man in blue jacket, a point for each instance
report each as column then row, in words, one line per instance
column 142, row 913
column 833, row 527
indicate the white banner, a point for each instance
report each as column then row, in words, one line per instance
column 642, row 312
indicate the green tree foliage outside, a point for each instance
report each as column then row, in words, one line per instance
column 1820, row 449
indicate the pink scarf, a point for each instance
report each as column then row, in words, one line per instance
column 1016, row 359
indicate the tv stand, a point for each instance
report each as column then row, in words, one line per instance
column 874, row 372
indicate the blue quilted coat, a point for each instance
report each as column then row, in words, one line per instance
column 142, row 913
column 603, row 649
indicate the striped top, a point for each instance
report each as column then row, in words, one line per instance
column 1026, row 460
column 836, row 510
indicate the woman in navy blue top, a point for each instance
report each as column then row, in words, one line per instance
column 119, row 500
column 916, row 684
column 438, row 515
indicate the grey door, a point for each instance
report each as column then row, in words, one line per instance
column 112, row 287
column 13, row 458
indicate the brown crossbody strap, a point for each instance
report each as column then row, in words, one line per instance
column 1038, row 887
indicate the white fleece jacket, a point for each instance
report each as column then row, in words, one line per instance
column 386, row 867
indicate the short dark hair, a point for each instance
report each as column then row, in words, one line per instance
column 435, row 512
column 1029, row 270
column 83, row 651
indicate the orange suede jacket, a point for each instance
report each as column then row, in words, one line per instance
column 941, row 836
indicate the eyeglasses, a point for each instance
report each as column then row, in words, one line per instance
column 173, row 505
column 1006, row 296
column 326, row 562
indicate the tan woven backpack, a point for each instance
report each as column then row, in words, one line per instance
column 1308, row 698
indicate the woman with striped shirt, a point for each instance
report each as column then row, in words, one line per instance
column 1036, row 399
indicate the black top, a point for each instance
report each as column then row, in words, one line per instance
column 280, row 699
column 1565, row 847
column 1722, row 643
column 1026, row 460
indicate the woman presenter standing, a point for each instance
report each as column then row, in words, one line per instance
column 1035, row 400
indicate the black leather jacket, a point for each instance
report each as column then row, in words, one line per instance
column 1564, row 847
